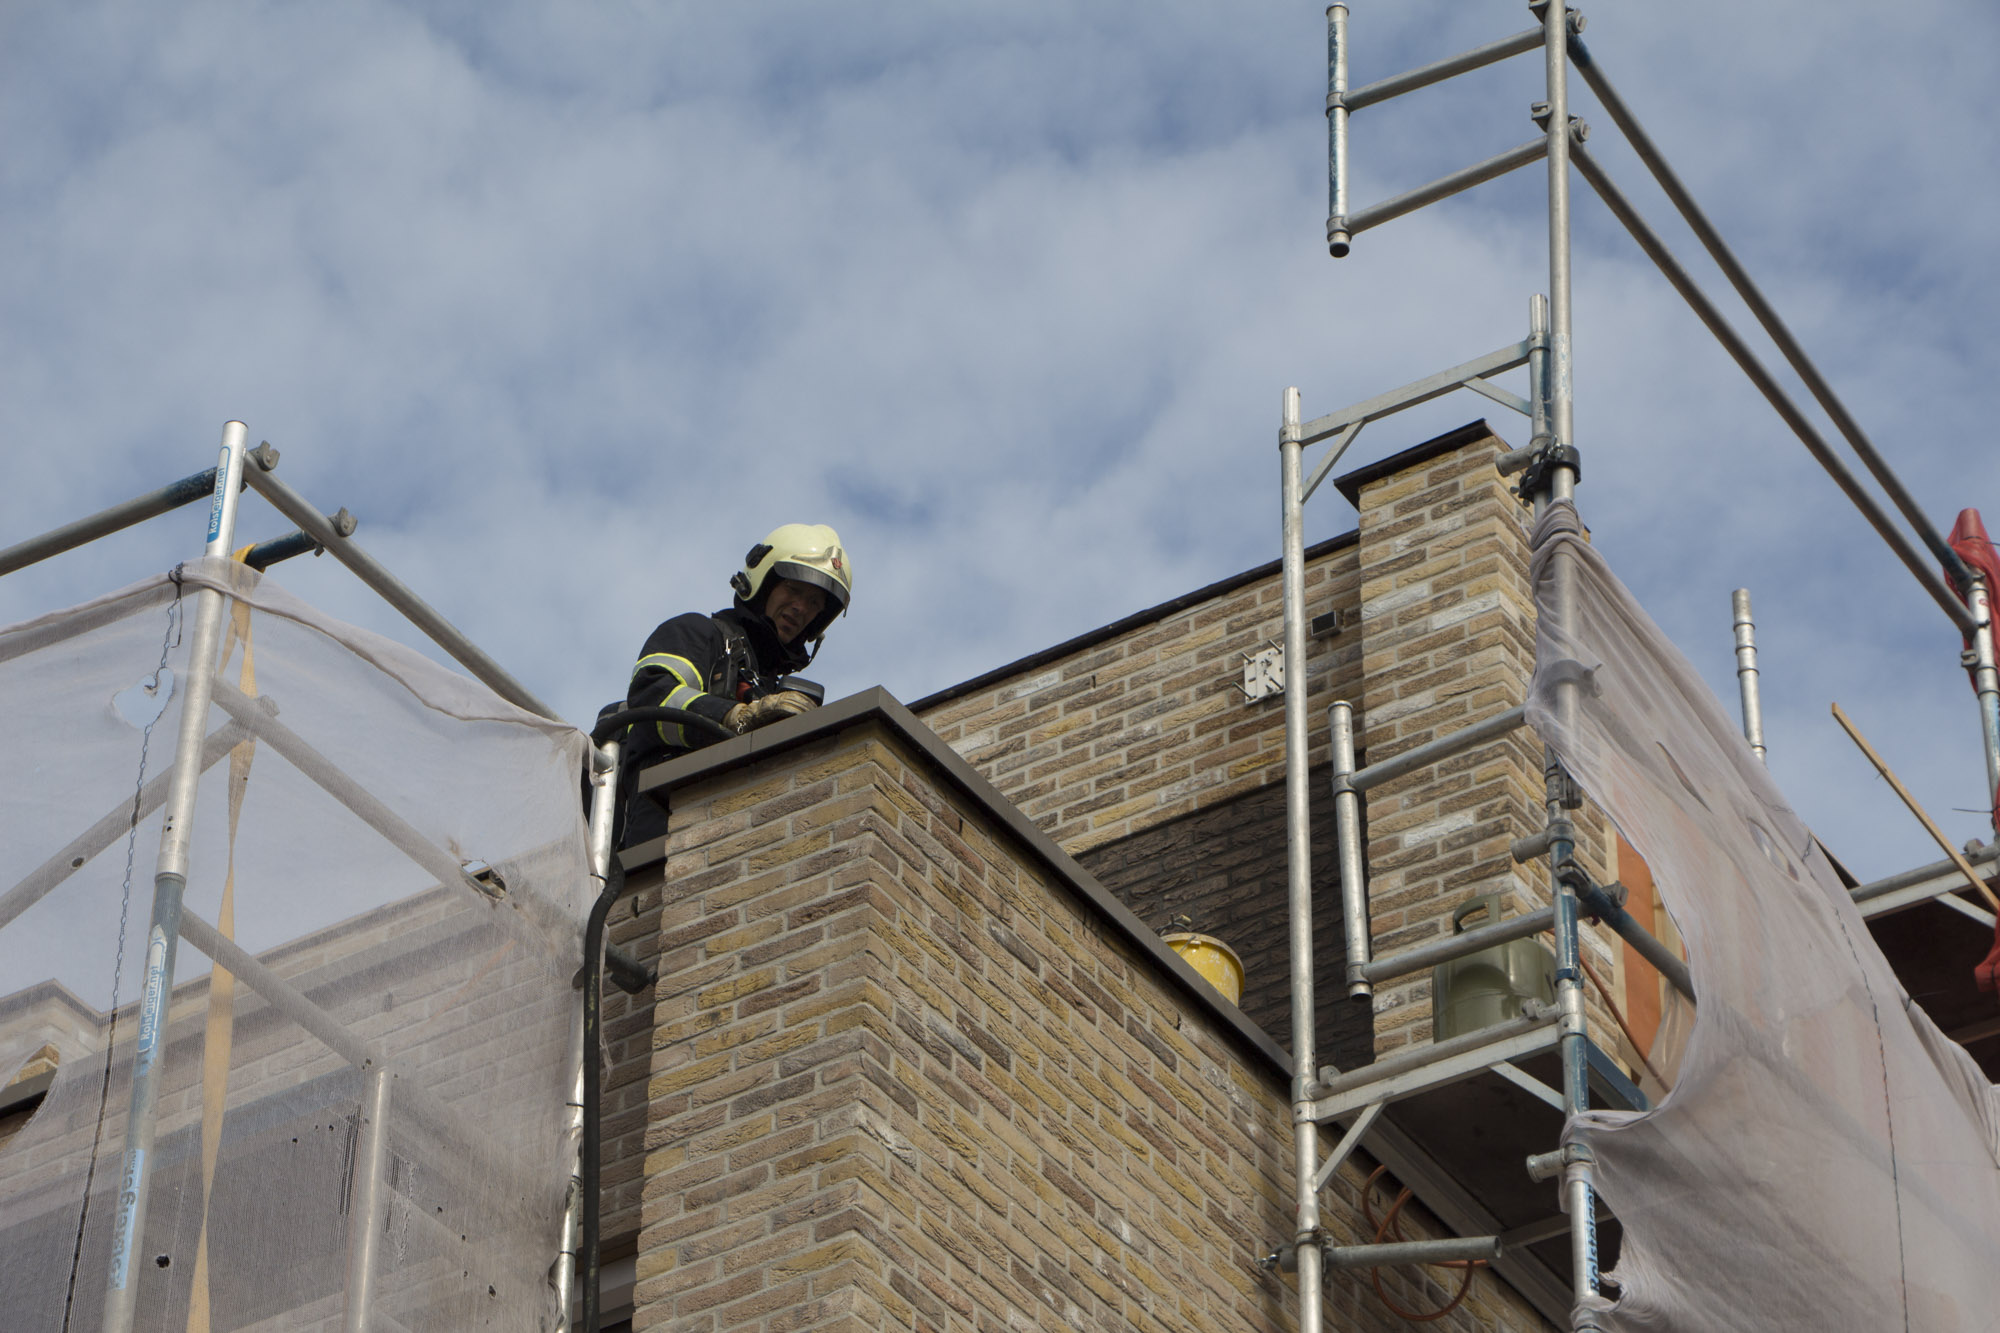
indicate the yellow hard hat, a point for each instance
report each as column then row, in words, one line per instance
column 806, row 553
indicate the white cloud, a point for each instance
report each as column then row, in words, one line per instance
column 570, row 304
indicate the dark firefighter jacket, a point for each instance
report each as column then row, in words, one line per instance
column 707, row 665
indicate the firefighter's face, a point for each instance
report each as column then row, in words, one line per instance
column 791, row 606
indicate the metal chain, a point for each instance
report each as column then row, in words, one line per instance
column 168, row 642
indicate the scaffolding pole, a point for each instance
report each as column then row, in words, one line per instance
column 1552, row 453
column 1986, row 681
column 1353, row 871
column 169, row 884
column 1579, row 1185
column 368, row 1217
column 102, row 524
column 1746, row 670
column 1308, row 1236
column 1338, row 239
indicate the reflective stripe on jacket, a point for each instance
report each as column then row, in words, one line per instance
column 685, row 663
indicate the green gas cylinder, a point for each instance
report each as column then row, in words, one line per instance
column 1488, row 987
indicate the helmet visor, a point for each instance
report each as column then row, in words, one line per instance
column 825, row 572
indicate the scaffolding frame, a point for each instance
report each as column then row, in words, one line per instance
column 1550, row 463
column 197, row 750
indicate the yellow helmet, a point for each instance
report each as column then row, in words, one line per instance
column 804, row 552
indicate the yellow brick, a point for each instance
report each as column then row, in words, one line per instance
column 752, row 795
column 734, row 989
column 686, row 1076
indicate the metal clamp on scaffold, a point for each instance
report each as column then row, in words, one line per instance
column 1514, row 460
column 1579, row 128
column 1607, row 906
column 1535, row 475
column 1574, row 17
column 1549, row 1165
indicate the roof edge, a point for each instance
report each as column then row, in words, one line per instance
column 1414, row 456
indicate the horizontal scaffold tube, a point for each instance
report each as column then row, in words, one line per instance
column 1370, row 1078
column 1447, row 947
column 1446, row 186
column 187, row 490
column 1431, row 752
column 1439, row 70
column 1946, row 872
column 1449, row 1250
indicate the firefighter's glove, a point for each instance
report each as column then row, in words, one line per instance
column 770, row 708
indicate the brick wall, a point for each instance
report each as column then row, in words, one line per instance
column 1137, row 752
column 905, row 1075
column 1148, row 723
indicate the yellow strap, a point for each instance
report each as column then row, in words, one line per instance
column 219, row 1036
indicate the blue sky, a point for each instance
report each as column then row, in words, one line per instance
column 570, row 304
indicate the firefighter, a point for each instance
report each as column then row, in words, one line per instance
column 732, row 666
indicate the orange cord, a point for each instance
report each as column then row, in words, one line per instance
column 1618, row 1017
column 1604, row 992
column 1391, row 1228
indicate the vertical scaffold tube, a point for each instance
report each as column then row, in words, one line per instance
column 1338, row 242
column 1986, row 680
column 1298, row 863
column 169, row 884
column 365, row 1216
column 1347, row 836
column 1538, row 369
column 1746, row 673
column 1579, row 1190
column 1554, row 40
column 563, row 1279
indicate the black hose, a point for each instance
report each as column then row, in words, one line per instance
column 610, row 724
column 589, row 1168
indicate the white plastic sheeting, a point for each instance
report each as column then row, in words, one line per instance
column 356, row 790
column 1826, row 1159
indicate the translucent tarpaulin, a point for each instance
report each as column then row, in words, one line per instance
column 391, row 861
column 1826, row 1159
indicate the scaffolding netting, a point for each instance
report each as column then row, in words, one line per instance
column 1826, row 1158
column 367, row 1065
